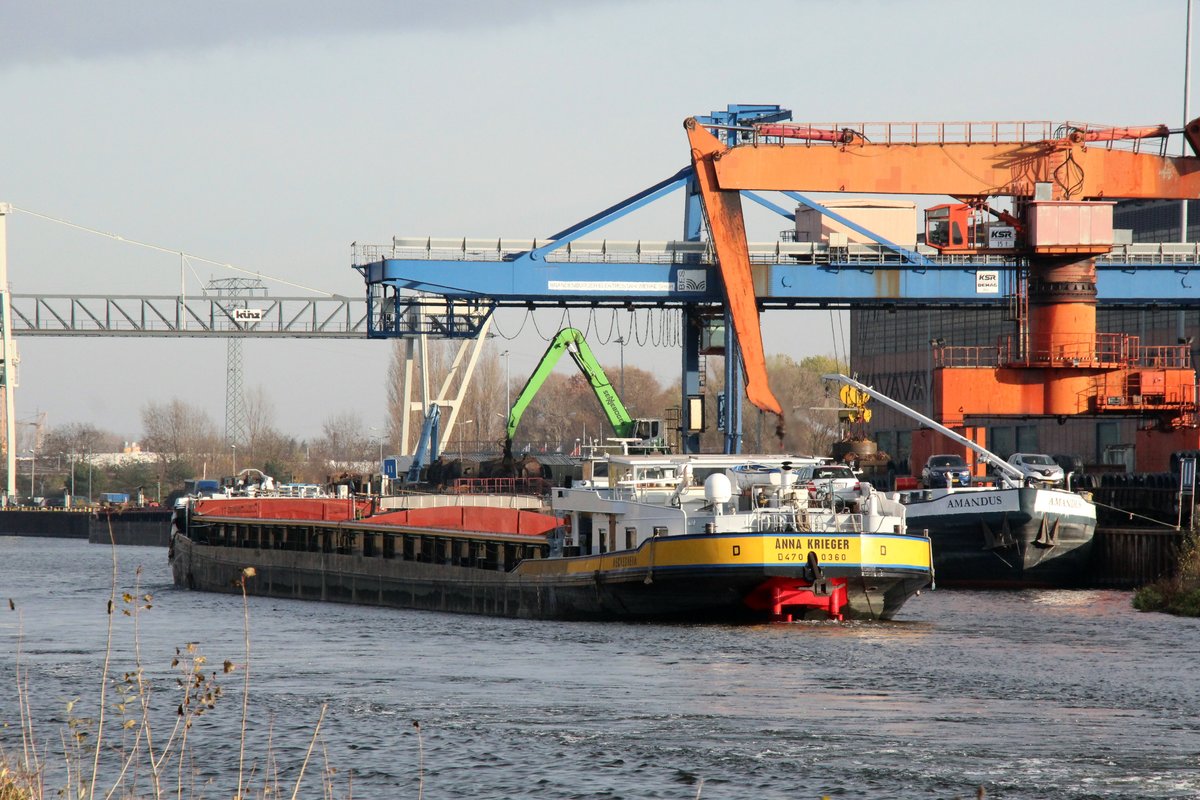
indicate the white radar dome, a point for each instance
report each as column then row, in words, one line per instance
column 717, row 488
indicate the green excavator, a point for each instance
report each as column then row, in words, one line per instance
column 637, row 435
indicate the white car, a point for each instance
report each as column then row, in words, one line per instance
column 1038, row 467
column 821, row 480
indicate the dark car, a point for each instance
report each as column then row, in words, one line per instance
column 945, row 470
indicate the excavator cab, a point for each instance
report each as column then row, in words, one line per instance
column 648, row 430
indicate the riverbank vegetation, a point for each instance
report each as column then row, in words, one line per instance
column 1179, row 593
column 135, row 737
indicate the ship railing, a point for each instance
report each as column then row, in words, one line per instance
column 823, row 518
column 1100, row 350
column 974, row 132
column 640, row 488
column 769, row 520
column 532, row 486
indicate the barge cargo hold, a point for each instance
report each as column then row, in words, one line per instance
column 652, row 545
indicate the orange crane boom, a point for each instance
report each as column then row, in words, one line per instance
column 970, row 161
column 727, row 225
column 956, row 168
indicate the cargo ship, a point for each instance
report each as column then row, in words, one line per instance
column 1009, row 535
column 645, row 538
column 1005, row 536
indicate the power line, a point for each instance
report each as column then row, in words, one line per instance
column 173, row 251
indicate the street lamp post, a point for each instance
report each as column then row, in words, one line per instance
column 621, row 340
column 32, row 465
column 507, row 382
column 233, row 447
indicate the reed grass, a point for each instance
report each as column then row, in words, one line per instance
column 118, row 753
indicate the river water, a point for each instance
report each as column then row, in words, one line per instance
column 1034, row 694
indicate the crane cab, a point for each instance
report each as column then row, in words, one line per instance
column 953, row 228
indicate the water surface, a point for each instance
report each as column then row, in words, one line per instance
column 1033, row 694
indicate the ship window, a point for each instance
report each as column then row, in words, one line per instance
column 660, row 530
column 630, row 538
column 603, row 540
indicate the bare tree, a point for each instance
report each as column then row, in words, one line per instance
column 810, row 423
column 180, row 434
column 344, row 440
column 566, row 407
column 78, row 439
column 259, row 417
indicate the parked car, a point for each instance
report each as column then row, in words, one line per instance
column 945, row 470
column 821, row 480
column 1038, row 467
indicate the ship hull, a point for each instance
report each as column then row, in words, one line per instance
column 1006, row 538
column 712, row 578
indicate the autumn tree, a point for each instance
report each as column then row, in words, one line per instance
column 810, row 424
column 566, row 408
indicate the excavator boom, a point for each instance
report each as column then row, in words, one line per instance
column 570, row 340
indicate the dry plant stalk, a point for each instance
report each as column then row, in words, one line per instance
column 200, row 693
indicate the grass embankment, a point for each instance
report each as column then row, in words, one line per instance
column 1177, row 594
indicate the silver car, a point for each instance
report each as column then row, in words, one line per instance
column 1038, row 467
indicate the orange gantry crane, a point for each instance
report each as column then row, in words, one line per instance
column 1063, row 180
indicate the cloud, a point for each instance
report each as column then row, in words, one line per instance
column 41, row 32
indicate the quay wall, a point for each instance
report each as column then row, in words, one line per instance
column 1126, row 558
column 145, row 527
column 52, row 523
column 142, row 527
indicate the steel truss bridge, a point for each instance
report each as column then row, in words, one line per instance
column 200, row 316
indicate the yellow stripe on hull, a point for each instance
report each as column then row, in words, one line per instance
column 856, row 551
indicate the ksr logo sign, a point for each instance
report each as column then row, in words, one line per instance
column 987, row 281
column 1002, row 237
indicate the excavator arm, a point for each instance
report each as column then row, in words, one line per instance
column 570, row 340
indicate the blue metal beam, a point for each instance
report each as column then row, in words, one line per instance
column 738, row 114
column 614, row 212
column 523, row 280
column 526, row 280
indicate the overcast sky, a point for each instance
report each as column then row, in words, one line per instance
column 273, row 134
